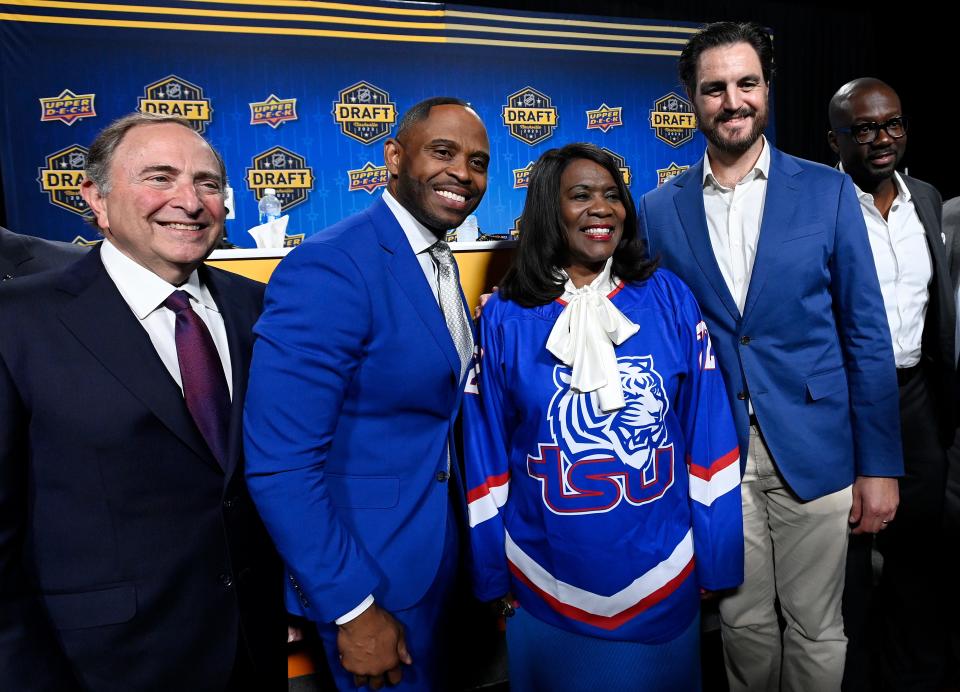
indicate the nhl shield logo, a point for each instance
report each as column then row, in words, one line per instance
column 673, row 120
column 671, row 171
column 67, row 107
column 529, row 116
column 179, row 98
column 61, row 177
column 622, row 165
column 283, row 170
column 364, row 112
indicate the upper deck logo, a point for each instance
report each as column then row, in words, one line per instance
column 521, row 176
column 529, row 116
column 365, row 112
column 622, row 165
column 61, row 177
column 284, row 171
column 673, row 120
column 179, row 98
column 604, row 118
column 68, row 107
column 671, row 171
column 368, row 178
column 273, row 111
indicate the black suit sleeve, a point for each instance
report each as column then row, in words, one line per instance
column 30, row 657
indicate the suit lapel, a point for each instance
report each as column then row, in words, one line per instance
column 782, row 200
column 693, row 218
column 101, row 320
column 404, row 267
column 941, row 289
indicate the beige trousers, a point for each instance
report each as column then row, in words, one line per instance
column 794, row 551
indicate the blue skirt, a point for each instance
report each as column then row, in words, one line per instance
column 543, row 658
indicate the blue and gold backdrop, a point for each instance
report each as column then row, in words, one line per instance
column 300, row 95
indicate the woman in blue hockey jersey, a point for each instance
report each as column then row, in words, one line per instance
column 602, row 465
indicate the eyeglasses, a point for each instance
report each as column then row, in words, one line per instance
column 864, row 133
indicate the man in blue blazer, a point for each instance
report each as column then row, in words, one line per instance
column 355, row 385
column 776, row 252
column 131, row 555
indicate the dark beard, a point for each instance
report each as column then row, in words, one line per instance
column 744, row 143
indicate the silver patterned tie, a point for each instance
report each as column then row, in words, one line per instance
column 450, row 304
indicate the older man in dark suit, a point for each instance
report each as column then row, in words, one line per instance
column 131, row 557
column 24, row 254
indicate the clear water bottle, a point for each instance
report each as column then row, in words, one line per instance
column 269, row 206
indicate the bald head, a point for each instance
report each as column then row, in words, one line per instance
column 838, row 111
column 863, row 114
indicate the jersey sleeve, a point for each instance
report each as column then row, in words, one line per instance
column 486, row 461
column 713, row 458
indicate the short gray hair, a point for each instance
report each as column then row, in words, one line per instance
column 101, row 152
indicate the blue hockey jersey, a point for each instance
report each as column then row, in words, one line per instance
column 605, row 524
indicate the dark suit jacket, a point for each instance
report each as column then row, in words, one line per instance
column 812, row 348
column 939, row 329
column 128, row 559
column 24, row 254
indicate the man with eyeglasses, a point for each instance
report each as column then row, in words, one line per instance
column 869, row 133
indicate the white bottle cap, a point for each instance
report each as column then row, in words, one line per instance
column 269, row 191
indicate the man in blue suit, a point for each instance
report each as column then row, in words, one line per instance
column 355, row 385
column 776, row 252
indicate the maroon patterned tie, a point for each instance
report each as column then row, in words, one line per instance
column 204, row 384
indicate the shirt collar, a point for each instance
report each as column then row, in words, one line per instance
column 143, row 290
column 903, row 192
column 760, row 169
column 419, row 236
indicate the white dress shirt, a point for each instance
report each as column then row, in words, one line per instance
column 904, row 268
column 144, row 292
column 733, row 220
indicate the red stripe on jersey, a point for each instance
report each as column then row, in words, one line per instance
column 723, row 462
column 606, row 622
column 484, row 488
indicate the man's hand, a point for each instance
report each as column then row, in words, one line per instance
column 372, row 647
column 875, row 501
column 484, row 297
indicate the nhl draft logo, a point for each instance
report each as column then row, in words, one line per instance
column 273, row 111
column 179, row 98
column 521, row 176
column 60, row 178
column 604, row 118
column 671, row 171
column 368, row 178
column 529, row 116
column 672, row 120
column 622, row 165
column 511, row 234
column 364, row 112
column 68, row 107
column 284, row 171
column 597, row 460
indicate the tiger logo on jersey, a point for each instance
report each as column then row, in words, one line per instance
column 598, row 459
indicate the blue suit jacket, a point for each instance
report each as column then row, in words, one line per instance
column 812, row 348
column 354, row 390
